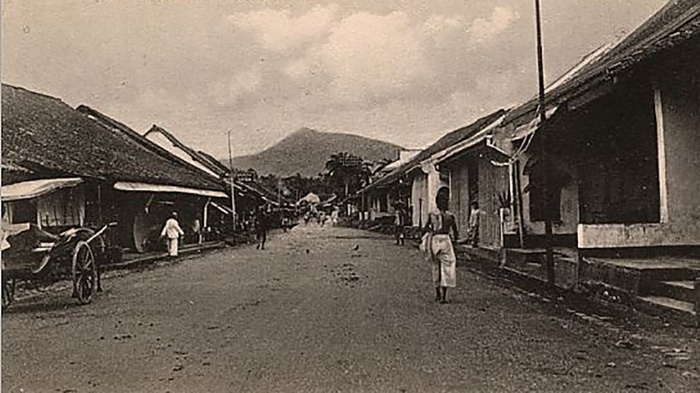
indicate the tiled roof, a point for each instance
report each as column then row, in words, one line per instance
column 674, row 25
column 449, row 139
column 44, row 134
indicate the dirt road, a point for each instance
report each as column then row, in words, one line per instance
column 326, row 309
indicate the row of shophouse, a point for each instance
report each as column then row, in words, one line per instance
column 619, row 150
column 65, row 167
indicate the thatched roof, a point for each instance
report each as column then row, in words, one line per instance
column 45, row 135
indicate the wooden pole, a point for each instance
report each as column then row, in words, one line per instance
column 545, row 175
column 233, row 188
column 519, row 203
column 362, row 205
column 205, row 221
column 420, row 212
column 100, row 218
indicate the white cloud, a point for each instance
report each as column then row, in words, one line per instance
column 442, row 30
column 298, row 69
column 228, row 90
column 482, row 30
column 279, row 30
column 370, row 55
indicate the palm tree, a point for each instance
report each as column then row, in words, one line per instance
column 346, row 169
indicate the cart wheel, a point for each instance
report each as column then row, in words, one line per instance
column 84, row 272
column 8, row 292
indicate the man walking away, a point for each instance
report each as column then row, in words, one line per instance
column 443, row 228
column 173, row 232
column 261, row 227
column 399, row 223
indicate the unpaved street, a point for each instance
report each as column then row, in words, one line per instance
column 324, row 309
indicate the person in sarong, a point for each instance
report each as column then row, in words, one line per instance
column 172, row 231
column 261, row 227
column 334, row 215
column 442, row 225
column 399, row 223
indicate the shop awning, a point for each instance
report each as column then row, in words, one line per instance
column 146, row 187
column 36, row 188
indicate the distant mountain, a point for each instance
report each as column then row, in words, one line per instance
column 306, row 152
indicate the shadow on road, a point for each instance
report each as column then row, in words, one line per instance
column 40, row 305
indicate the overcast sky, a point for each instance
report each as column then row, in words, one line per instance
column 404, row 71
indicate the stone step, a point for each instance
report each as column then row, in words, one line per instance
column 521, row 257
column 679, row 290
column 634, row 278
column 661, row 305
column 668, row 274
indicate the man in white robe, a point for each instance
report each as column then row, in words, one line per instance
column 173, row 232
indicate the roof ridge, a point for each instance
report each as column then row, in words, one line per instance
column 681, row 20
column 194, row 154
column 142, row 141
column 43, row 95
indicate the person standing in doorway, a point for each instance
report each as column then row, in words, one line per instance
column 442, row 224
column 197, row 230
column 261, row 223
column 173, row 232
column 473, row 235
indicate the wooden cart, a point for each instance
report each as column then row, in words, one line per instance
column 38, row 256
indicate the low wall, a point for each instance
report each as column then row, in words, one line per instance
column 637, row 235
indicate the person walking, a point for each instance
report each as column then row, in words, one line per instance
column 440, row 226
column 322, row 218
column 261, row 223
column 334, row 215
column 399, row 223
column 173, row 232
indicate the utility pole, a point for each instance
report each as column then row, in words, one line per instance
column 545, row 164
column 279, row 192
column 233, row 188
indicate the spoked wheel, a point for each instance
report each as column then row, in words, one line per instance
column 84, row 272
column 8, row 291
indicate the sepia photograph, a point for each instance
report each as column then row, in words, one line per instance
column 350, row 196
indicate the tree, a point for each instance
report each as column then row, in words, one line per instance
column 347, row 171
column 299, row 185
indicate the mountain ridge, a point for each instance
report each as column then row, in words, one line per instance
column 305, row 151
